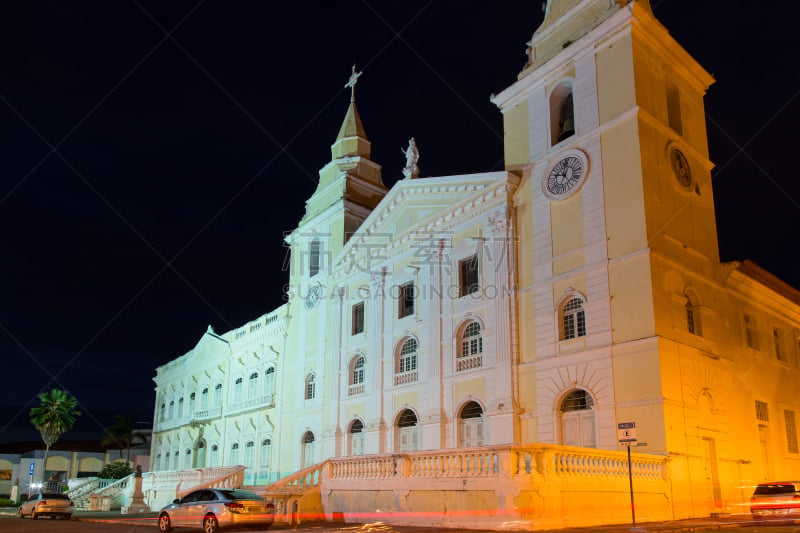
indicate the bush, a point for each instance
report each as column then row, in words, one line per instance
column 116, row 470
column 5, row 502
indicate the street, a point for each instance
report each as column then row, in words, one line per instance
column 12, row 524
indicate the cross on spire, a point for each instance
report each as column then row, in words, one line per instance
column 351, row 83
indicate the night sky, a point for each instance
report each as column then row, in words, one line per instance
column 154, row 154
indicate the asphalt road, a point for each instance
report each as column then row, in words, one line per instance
column 10, row 524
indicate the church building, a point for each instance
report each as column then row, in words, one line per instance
column 574, row 293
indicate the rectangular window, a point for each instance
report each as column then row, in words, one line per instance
column 468, row 276
column 791, row 431
column 405, row 297
column 673, row 105
column 314, row 250
column 762, row 411
column 777, row 336
column 749, row 337
column 358, row 318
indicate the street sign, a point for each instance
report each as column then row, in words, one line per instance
column 30, row 469
column 626, row 433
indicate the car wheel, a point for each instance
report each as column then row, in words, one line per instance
column 20, row 514
column 34, row 516
column 164, row 523
column 210, row 524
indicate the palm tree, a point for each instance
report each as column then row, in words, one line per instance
column 122, row 435
column 55, row 416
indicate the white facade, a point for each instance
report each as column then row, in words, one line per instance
column 578, row 290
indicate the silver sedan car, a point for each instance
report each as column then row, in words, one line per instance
column 47, row 504
column 211, row 509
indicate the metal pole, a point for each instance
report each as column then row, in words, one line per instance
column 630, row 483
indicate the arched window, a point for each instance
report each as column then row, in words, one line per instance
column 235, row 453
column 314, row 259
column 213, row 457
column 407, row 433
column 252, row 385
column 250, row 454
column 307, row 450
column 237, row 390
column 693, row 317
column 357, row 375
column 266, row 453
column 470, row 425
column 161, row 412
column 200, row 454
column 310, row 388
column 204, row 399
column 192, row 398
column 180, row 408
column 158, row 462
column 218, row 395
column 577, row 419
column 171, row 412
column 406, row 367
column 176, row 460
column 187, row 459
column 562, row 113
column 355, row 445
column 572, row 319
column 269, row 381
column 470, row 347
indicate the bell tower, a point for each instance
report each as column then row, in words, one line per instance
column 349, row 187
column 615, row 213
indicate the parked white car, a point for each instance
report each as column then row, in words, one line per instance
column 47, row 504
column 777, row 500
column 211, row 509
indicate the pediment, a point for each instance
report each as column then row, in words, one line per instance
column 415, row 206
column 210, row 347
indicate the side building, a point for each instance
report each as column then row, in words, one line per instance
column 577, row 290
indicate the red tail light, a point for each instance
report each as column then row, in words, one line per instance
column 43, row 502
column 271, row 506
column 234, row 506
column 72, row 504
column 796, row 497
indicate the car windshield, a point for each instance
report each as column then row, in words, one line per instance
column 53, row 496
column 774, row 488
column 239, row 494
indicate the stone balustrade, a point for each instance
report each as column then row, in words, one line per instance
column 496, row 483
column 469, row 362
column 401, row 378
column 358, row 388
column 206, row 414
column 161, row 487
column 260, row 402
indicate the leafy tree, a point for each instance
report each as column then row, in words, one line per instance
column 55, row 415
column 115, row 470
column 121, row 435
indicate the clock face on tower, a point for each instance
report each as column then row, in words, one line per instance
column 680, row 167
column 314, row 296
column 565, row 177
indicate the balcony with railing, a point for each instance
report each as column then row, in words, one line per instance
column 401, row 378
column 206, row 414
column 357, row 388
column 259, row 402
column 469, row 362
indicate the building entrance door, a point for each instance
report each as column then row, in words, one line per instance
column 713, row 491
